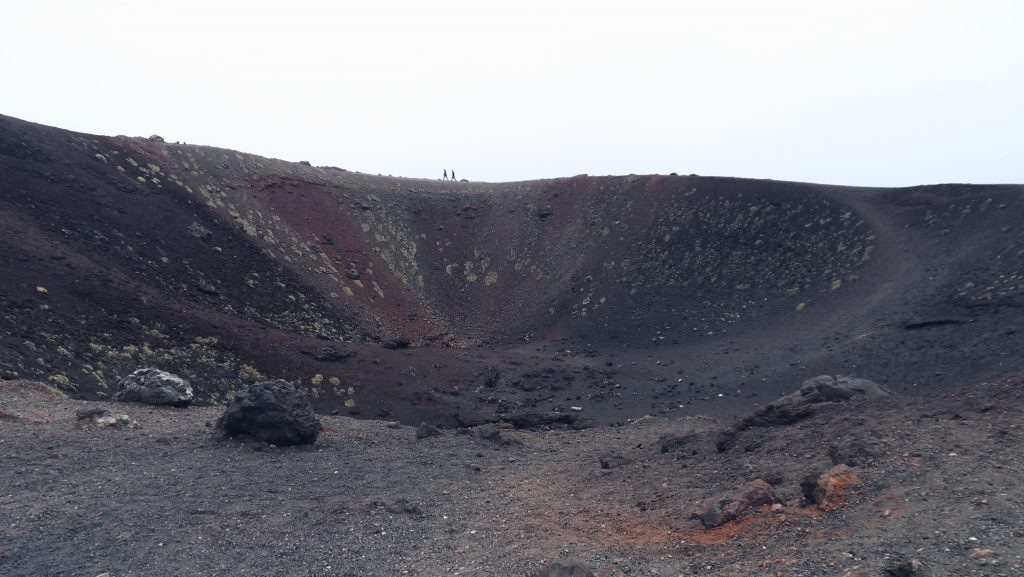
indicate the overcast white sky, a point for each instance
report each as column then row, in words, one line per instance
column 856, row 92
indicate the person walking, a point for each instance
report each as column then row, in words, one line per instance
column 453, row 174
column 445, row 174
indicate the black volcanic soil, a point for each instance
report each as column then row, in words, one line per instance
column 610, row 301
column 168, row 498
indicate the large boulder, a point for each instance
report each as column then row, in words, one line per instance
column 729, row 505
column 155, row 387
column 274, row 412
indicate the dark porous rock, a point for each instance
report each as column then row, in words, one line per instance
column 274, row 412
column 102, row 418
column 854, row 451
column 560, row 570
column 815, row 393
column 397, row 343
column 425, row 431
column 674, row 443
column 734, row 502
column 726, row 440
column 329, row 354
column 544, row 212
column 536, row 421
column 155, row 387
column 905, row 568
column 613, row 461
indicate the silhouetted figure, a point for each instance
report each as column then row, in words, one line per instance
column 453, row 174
column 445, row 174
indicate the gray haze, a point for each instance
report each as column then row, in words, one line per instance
column 866, row 93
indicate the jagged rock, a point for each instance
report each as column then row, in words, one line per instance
column 155, row 387
column 560, row 570
column 673, row 443
column 102, row 418
column 199, row 231
column 613, row 461
column 274, row 412
column 397, row 343
column 854, row 451
column 905, row 568
column 828, row 490
column 731, row 504
column 812, row 395
column 534, row 421
column 425, row 431
column 329, row 354
column 544, row 212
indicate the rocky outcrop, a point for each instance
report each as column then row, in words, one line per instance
column 733, row 503
column 813, row 395
column 274, row 412
column 155, row 387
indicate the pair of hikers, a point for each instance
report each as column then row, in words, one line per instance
column 446, row 174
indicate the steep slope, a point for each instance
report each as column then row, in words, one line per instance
column 621, row 295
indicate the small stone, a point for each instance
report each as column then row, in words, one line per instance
column 978, row 554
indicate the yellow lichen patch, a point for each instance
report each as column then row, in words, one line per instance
column 317, row 379
column 335, row 381
column 801, row 307
column 41, row 290
column 365, row 227
column 350, row 403
column 491, row 278
column 60, row 380
column 377, row 289
column 836, row 284
column 348, row 292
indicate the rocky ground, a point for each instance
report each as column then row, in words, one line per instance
column 936, row 481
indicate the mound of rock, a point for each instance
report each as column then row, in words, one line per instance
column 274, row 412
column 155, row 387
column 813, row 395
column 729, row 505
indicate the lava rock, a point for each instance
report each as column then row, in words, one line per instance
column 102, row 418
column 812, row 395
column 905, row 568
column 425, row 431
column 613, row 461
column 155, row 387
column 731, row 504
column 535, row 421
column 397, row 343
column 274, row 412
column 854, row 451
column 828, row 489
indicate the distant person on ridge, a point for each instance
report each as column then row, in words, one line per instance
column 453, row 174
column 445, row 174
